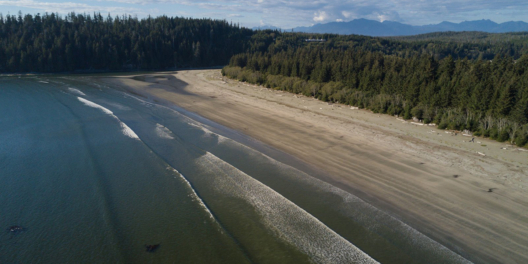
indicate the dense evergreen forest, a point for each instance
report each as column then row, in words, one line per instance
column 488, row 97
column 83, row 42
column 459, row 45
column 51, row 43
column 468, row 37
column 481, row 45
column 458, row 80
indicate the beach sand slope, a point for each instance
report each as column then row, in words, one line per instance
column 471, row 197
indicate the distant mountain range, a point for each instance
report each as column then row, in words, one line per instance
column 391, row 28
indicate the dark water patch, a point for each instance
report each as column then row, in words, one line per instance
column 94, row 193
column 44, row 184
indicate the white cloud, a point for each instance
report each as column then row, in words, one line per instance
column 320, row 16
column 382, row 18
column 392, row 16
column 69, row 7
column 346, row 14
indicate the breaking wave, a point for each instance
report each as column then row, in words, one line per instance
column 194, row 195
column 290, row 222
column 127, row 131
column 163, row 132
column 208, row 132
column 76, row 91
column 355, row 208
column 189, row 120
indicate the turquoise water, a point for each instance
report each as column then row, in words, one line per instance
column 94, row 174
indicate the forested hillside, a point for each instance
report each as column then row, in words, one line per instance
column 515, row 38
column 51, row 43
column 487, row 97
column 83, row 42
column 471, row 45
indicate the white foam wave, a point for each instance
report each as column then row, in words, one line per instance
column 194, row 194
column 143, row 102
column 163, row 132
column 94, row 105
column 118, row 106
column 208, row 132
column 190, row 121
column 43, row 82
column 290, row 222
column 127, row 131
column 76, row 91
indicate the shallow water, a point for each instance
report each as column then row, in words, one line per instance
column 95, row 174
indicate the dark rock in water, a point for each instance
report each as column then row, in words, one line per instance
column 16, row 229
column 152, row 248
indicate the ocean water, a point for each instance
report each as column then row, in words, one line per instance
column 95, row 174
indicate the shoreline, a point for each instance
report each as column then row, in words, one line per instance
column 107, row 72
column 402, row 169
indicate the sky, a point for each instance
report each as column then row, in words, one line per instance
column 288, row 14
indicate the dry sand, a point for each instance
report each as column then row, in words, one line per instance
column 432, row 180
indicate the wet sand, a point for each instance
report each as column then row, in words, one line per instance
column 471, row 197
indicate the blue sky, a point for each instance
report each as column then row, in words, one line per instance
column 288, row 14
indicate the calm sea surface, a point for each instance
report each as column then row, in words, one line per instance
column 94, row 175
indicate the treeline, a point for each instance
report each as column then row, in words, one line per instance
column 489, row 98
column 459, row 45
column 83, row 42
column 52, row 43
column 467, row 37
column 471, row 44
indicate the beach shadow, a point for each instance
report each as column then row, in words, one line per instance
column 167, row 82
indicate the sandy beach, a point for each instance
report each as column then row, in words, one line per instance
column 469, row 196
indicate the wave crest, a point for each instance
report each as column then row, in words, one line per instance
column 291, row 223
column 127, row 131
column 163, row 132
column 76, row 91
